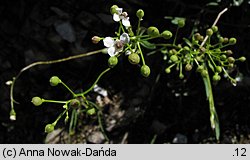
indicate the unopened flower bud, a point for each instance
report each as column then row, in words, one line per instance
column 54, row 81
column 174, row 58
column 231, row 59
column 134, row 58
column 214, row 28
column 166, row 34
column 216, row 77
column 37, row 101
column 95, row 39
column 242, row 59
column 225, row 40
column 209, row 32
column 204, row 73
column 223, row 57
column 188, row 67
column 140, row 14
column 167, row 70
column 49, row 128
column 232, row 41
column 153, row 31
column 197, row 36
column 221, row 39
column 145, row 70
column 113, row 9
column 12, row 115
column 218, row 69
column 181, row 23
column 229, row 52
column 112, row 61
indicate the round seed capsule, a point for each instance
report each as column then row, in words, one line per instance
column 49, row 128
column 54, row 81
column 112, row 61
column 145, row 70
column 37, row 101
column 134, row 58
column 153, row 31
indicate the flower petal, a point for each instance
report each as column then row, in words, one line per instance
column 128, row 52
column 116, row 17
column 111, row 51
column 108, row 42
column 125, row 38
column 126, row 22
column 119, row 11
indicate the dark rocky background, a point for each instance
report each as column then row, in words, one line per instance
column 175, row 111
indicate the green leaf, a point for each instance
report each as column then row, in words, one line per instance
column 212, row 4
column 187, row 42
column 147, row 44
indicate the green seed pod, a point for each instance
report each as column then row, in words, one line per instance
column 181, row 76
column 54, row 81
column 188, row 67
column 201, row 38
column 145, row 70
column 229, row 52
column 218, row 69
column 232, row 41
column 140, row 14
column 153, row 31
column 225, row 40
column 112, row 61
column 200, row 68
column 209, row 32
column 204, row 73
column 113, row 9
column 166, row 34
column 231, row 59
column 174, row 58
column 223, row 57
column 216, row 77
column 49, row 128
column 197, row 36
column 91, row 111
column 242, row 59
column 134, row 58
column 37, row 101
column 214, row 28
column 231, row 65
column 167, row 70
column 181, row 23
column 221, row 39
column 74, row 103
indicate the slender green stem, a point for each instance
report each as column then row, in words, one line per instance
column 138, row 27
column 93, row 85
column 211, row 59
column 59, row 117
column 74, row 95
column 12, row 100
column 139, row 47
column 175, row 36
column 153, row 139
column 214, row 120
column 99, row 115
column 53, row 101
column 123, row 30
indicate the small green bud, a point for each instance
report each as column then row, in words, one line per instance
column 37, row 101
column 140, row 14
column 216, row 77
column 134, row 58
column 153, row 31
column 214, row 28
column 145, row 70
column 232, row 41
column 167, row 70
column 49, row 128
column 221, row 39
column 242, row 59
column 197, row 36
column 200, row 68
column 231, row 59
column 181, row 76
column 188, row 67
column 229, row 52
column 231, row 65
column 95, row 39
column 74, row 103
column 113, row 9
column 204, row 73
column 223, row 57
column 54, row 81
column 91, row 111
column 209, row 32
column 12, row 115
column 174, row 58
column 166, row 34
column 225, row 40
column 181, row 23
column 201, row 38
column 186, row 48
column 218, row 69
column 112, row 61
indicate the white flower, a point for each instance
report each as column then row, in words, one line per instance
column 121, row 16
column 114, row 47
